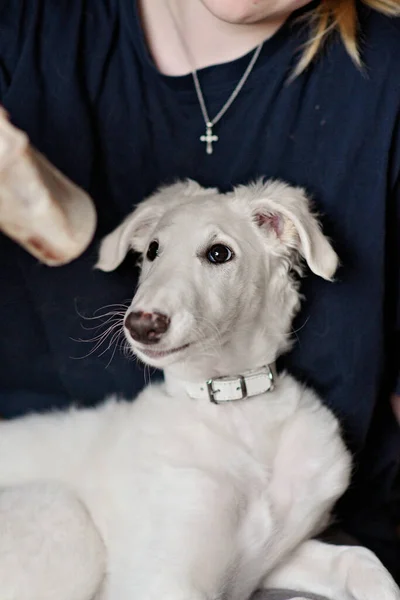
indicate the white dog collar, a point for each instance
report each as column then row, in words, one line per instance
column 228, row 389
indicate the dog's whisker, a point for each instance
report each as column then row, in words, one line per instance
column 109, row 320
column 113, row 338
column 117, row 306
column 108, row 314
column 121, row 305
column 100, row 339
column 295, row 331
column 147, row 370
column 99, row 336
column 112, row 320
column 116, row 346
column 126, row 348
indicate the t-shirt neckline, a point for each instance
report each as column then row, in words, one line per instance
column 222, row 74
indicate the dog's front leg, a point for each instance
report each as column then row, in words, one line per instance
column 310, row 472
column 335, row 572
column 179, row 541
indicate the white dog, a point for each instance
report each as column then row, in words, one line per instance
column 211, row 484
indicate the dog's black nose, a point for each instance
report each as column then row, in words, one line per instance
column 147, row 328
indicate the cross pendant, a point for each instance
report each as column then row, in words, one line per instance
column 209, row 138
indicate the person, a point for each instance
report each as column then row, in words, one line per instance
column 123, row 96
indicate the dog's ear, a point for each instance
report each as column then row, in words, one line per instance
column 283, row 211
column 129, row 235
column 134, row 231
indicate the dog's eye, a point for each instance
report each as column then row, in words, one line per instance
column 152, row 251
column 219, row 254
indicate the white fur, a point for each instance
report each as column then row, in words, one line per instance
column 192, row 500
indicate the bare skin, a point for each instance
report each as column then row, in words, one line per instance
column 213, row 31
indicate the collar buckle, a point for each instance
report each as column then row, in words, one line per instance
column 211, row 391
column 242, row 387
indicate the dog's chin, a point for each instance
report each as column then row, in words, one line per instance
column 161, row 357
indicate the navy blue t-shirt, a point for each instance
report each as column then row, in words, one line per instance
column 76, row 75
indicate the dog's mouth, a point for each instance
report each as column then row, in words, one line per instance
column 157, row 354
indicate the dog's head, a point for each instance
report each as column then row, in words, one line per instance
column 217, row 290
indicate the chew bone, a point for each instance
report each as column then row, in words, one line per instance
column 40, row 208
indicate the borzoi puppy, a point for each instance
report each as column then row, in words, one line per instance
column 210, row 484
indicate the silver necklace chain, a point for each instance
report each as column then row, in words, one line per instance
column 209, row 138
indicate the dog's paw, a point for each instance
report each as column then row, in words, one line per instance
column 365, row 576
